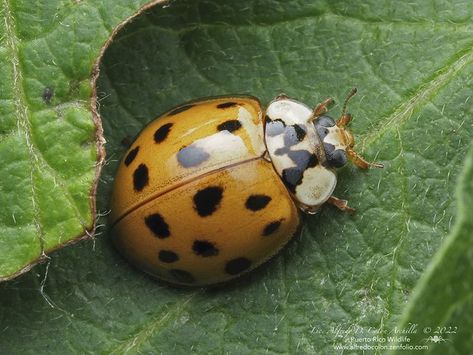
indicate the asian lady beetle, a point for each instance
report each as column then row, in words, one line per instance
column 212, row 188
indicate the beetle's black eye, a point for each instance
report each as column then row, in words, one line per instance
column 325, row 121
column 321, row 125
column 337, row 159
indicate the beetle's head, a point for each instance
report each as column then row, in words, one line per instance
column 338, row 141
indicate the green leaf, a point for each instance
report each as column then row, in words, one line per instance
column 345, row 276
column 50, row 147
column 440, row 309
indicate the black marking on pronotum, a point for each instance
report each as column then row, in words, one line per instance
column 227, row 105
column 204, row 248
column 270, row 228
column 131, row 155
column 313, row 161
column 191, row 156
column 257, row 202
column 293, row 134
column 168, row 256
column 238, row 265
column 180, row 109
column 182, row 276
column 282, row 151
column 140, row 177
column 274, row 127
column 206, row 201
column 292, row 177
column 162, row 132
column 230, row 126
column 300, row 132
column 303, row 159
column 48, row 94
column 156, row 223
column 321, row 125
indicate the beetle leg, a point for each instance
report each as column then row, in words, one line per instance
column 360, row 162
column 282, row 96
column 344, row 120
column 321, row 108
column 342, row 205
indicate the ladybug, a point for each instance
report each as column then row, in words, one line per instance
column 213, row 188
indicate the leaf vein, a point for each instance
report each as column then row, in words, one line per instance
column 420, row 97
column 23, row 124
column 155, row 325
column 38, row 161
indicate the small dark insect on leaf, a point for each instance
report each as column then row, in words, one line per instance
column 47, row 95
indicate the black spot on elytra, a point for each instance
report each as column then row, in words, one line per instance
column 180, row 109
column 204, row 248
column 257, row 202
column 274, row 127
column 156, row 223
column 191, row 156
column 293, row 134
column 182, row 276
column 230, row 126
column 162, row 132
column 131, row 155
column 168, row 256
column 48, row 94
column 292, row 177
column 140, row 177
column 206, row 201
column 227, row 105
column 238, row 265
column 270, row 228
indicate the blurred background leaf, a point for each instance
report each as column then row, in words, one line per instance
column 441, row 306
column 48, row 147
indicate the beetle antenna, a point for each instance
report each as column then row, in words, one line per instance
column 350, row 95
column 360, row 162
column 345, row 117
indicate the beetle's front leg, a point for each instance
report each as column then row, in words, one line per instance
column 322, row 108
column 342, row 205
